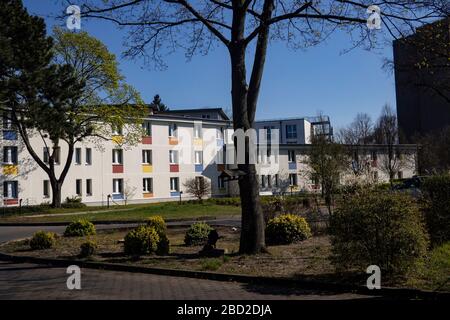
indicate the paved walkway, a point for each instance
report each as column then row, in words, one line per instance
column 31, row 281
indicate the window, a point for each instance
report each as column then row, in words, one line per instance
column 116, row 130
column 46, row 155
column 88, row 156
column 173, row 156
column 220, row 183
column 291, row 131
column 78, row 187
column 57, row 155
column 147, row 185
column 263, row 181
column 374, row 155
column 291, row 155
column 46, row 188
column 147, row 156
column 292, row 179
column 375, row 175
column 118, row 186
column 219, row 133
column 89, row 187
column 206, row 116
column 174, row 185
column 147, row 127
column 10, row 155
column 400, row 174
column 7, row 121
column 172, row 130
column 276, row 180
column 56, row 152
column 117, row 156
column 198, row 130
column 269, row 132
column 198, row 157
column 78, row 156
column 269, row 181
column 10, row 189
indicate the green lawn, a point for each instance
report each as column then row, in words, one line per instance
column 169, row 210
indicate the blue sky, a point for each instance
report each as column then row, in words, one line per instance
column 295, row 83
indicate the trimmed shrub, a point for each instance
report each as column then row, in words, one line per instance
column 287, row 228
column 436, row 205
column 87, row 249
column 378, row 228
column 197, row 234
column 163, row 247
column 80, row 228
column 158, row 223
column 142, row 240
column 42, row 240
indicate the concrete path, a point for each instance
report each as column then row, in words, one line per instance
column 31, row 281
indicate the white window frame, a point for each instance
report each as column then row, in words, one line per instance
column 88, row 156
column 116, row 130
column 46, row 188
column 147, row 156
column 117, row 156
column 173, row 156
column 147, row 127
column 11, row 189
column 10, row 155
column 291, row 156
column 198, row 131
column 173, row 130
column 79, row 185
column 78, row 156
column 89, row 187
column 147, row 185
column 174, row 184
column 293, row 179
column 220, row 183
column 198, row 157
column 291, row 130
column 7, row 121
column 117, row 186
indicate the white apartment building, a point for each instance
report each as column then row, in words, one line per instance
column 177, row 146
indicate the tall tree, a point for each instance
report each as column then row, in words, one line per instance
column 359, row 132
column 158, row 105
column 386, row 134
column 327, row 160
column 59, row 93
column 159, row 26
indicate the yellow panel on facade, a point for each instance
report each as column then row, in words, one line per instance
column 117, row 139
column 198, row 142
column 12, row 170
column 148, row 195
column 147, row 168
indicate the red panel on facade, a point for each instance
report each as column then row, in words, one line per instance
column 146, row 140
column 117, row 168
column 174, row 168
column 9, row 202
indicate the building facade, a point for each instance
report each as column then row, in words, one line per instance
column 422, row 80
column 175, row 147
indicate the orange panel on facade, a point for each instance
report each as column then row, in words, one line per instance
column 148, row 195
column 173, row 141
column 174, row 168
column 117, row 168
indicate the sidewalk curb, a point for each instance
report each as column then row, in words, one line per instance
column 386, row 292
column 106, row 222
